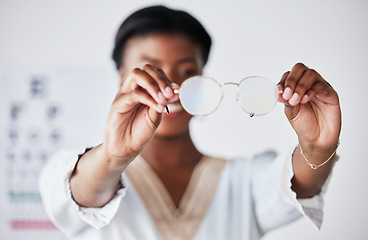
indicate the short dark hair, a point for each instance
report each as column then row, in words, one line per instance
column 160, row 19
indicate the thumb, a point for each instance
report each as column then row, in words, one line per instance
column 154, row 117
column 291, row 111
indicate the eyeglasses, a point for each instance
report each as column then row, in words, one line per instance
column 202, row 95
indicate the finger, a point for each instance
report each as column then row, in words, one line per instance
column 141, row 105
column 280, row 86
column 317, row 88
column 126, row 102
column 309, row 78
column 293, row 78
column 283, row 79
column 173, row 85
column 162, row 80
column 141, row 79
column 291, row 111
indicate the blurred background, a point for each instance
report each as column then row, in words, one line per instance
column 57, row 81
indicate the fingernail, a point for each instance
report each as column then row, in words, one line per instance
column 169, row 92
column 287, row 93
column 161, row 108
column 294, row 98
column 161, row 97
column 175, row 86
column 304, row 99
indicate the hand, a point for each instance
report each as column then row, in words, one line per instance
column 136, row 112
column 311, row 106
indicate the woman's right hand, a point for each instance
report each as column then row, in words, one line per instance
column 136, row 112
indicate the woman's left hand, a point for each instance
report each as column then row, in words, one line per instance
column 311, row 106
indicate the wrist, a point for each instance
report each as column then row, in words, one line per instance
column 113, row 161
column 317, row 156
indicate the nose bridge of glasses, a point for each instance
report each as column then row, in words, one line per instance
column 234, row 84
column 230, row 83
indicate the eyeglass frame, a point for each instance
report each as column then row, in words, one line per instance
column 251, row 114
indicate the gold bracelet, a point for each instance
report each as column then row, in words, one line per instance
column 315, row 166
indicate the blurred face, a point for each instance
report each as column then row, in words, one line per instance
column 178, row 57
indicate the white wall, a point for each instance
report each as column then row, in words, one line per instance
column 250, row 38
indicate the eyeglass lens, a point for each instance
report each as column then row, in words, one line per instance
column 257, row 95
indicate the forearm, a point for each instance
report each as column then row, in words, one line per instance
column 95, row 178
column 307, row 182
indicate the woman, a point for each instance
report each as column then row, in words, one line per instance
column 148, row 181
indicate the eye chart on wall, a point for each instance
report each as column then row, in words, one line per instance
column 41, row 113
